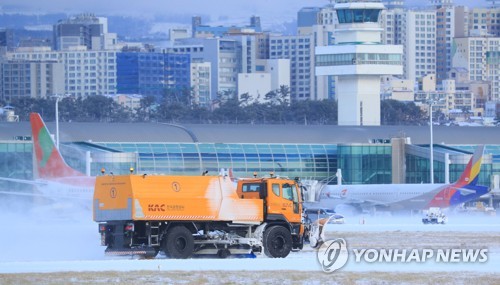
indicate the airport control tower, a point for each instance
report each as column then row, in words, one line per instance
column 358, row 59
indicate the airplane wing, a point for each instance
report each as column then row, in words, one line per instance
column 21, row 194
column 374, row 203
column 24, row 181
column 17, row 193
column 363, row 202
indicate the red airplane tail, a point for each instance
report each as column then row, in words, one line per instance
column 49, row 162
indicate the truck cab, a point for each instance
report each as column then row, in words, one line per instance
column 282, row 202
column 281, row 196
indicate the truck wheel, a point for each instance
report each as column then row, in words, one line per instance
column 179, row 243
column 298, row 243
column 277, row 242
column 223, row 253
column 152, row 254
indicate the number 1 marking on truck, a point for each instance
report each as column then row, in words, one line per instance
column 176, row 186
column 112, row 192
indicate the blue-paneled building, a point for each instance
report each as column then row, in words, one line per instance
column 151, row 74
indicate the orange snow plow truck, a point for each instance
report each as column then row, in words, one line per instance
column 185, row 215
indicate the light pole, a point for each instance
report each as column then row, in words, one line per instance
column 57, row 121
column 193, row 137
column 58, row 97
column 431, row 145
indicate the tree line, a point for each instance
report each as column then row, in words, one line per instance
column 229, row 110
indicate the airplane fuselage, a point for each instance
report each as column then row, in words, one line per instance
column 80, row 188
column 394, row 197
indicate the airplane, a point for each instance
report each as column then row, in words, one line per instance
column 404, row 197
column 53, row 177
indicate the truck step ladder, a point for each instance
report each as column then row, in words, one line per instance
column 154, row 237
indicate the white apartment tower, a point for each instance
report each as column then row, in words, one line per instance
column 358, row 59
column 416, row 31
column 86, row 72
column 391, row 22
column 485, row 19
column 451, row 22
column 31, row 78
column 480, row 56
column 300, row 50
column 319, row 24
column 419, row 43
column 200, row 82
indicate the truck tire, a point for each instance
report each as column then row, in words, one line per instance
column 223, row 253
column 179, row 243
column 152, row 254
column 277, row 242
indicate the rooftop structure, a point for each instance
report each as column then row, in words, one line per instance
column 83, row 30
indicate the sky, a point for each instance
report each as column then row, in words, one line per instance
column 282, row 9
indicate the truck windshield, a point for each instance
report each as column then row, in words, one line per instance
column 295, row 194
column 288, row 192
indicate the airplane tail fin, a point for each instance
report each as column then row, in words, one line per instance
column 470, row 175
column 49, row 162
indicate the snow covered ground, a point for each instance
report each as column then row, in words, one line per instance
column 59, row 239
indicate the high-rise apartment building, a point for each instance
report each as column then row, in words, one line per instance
column 83, row 30
column 418, row 38
column 485, row 19
column 451, row 22
column 224, row 55
column 247, row 49
column 31, row 78
column 152, row 74
column 391, row 21
column 307, row 17
column 200, row 83
column 480, row 56
column 319, row 24
column 128, row 74
column 300, row 51
column 427, row 38
column 85, row 72
column 255, row 23
column 6, row 40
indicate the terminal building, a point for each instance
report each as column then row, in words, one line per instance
column 365, row 155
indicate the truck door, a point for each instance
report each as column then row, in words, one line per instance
column 283, row 200
column 291, row 193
